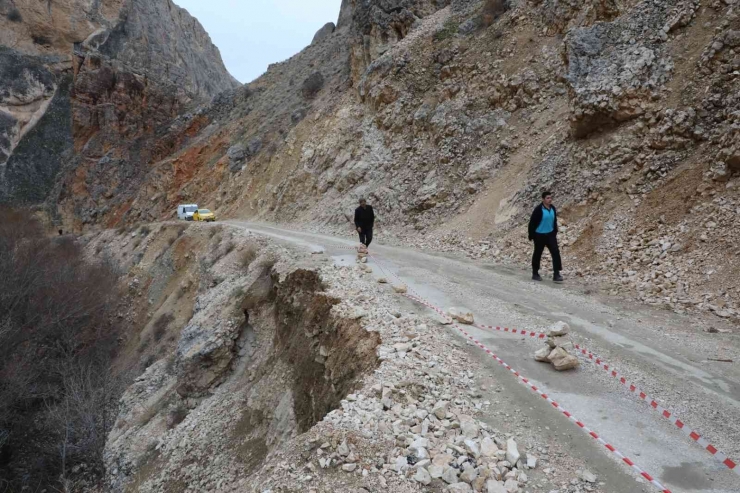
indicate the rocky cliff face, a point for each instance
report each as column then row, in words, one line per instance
column 70, row 69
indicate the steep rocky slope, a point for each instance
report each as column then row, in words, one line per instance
column 452, row 117
column 81, row 81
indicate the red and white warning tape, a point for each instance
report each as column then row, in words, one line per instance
column 666, row 413
column 554, row 404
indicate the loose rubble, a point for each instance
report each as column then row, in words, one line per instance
column 418, row 419
column 555, row 350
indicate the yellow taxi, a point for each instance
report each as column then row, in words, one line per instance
column 204, row 215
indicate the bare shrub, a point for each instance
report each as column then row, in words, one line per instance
column 145, row 230
column 492, row 10
column 14, row 15
column 176, row 415
column 247, row 256
column 228, row 247
column 161, row 325
column 57, row 390
column 312, row 85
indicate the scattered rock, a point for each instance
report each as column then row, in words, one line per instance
column 512, row 452
column 461, row 315
column 422, row 476
column 588, row 476
column 558, row 329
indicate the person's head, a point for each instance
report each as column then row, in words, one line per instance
column 547, row 198
column 363, row 202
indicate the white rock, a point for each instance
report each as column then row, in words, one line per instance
column 440, row 409
column 436, row 471
column 512, row 452
column 422, row 476
column 343, row 449
column 349, row 467
column 558, row 329
column 542, row 354
column 382, row 280
column 493, row 486
column 472, row 447
column 469, row 475
column 402, row 347
column 449, row 475
column 511, row 486
column 561, row 360
column 461, row 315
column 488, row 447
column 469, row 427
column 420, row 443
column 460, row 488
column 442, row 460
column 588, row 476
column 531, row 462
column 400, row 288
column 401, row 464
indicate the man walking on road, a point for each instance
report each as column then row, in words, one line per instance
column 364, row 222
column 543, row 230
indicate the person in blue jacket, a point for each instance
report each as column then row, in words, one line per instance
column 543, row 231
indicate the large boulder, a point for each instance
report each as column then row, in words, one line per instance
column 561, row 360
column 323, row 33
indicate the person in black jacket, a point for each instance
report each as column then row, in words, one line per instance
column 543, row 231
column 364, row 222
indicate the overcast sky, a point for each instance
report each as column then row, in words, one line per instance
column 252, row 34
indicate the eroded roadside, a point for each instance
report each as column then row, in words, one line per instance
column 499, row 298
column 296, row 372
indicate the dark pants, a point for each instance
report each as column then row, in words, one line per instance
column 366, row 236
column 550, row 241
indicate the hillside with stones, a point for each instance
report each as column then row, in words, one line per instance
column 452, row 117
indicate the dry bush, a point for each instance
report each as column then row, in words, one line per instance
column 14, row 15
column 145, row 230
column 161, row 325
column 312, row 85
column 176, row 415
column 57, row 392
column 247, row 256
column 492, row 10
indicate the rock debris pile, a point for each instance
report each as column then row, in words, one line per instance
column 555, row 351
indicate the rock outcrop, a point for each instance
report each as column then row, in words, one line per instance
column 72, row 69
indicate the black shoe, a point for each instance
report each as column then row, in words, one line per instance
column 536, row 277
column 557, row 278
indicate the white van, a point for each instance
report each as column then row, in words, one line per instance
column 186, row 211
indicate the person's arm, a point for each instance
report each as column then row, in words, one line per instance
column 555, row 224
column 372, row 217
column 357, row 220
column 534, row 222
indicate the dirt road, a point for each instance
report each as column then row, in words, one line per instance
column 663, row 354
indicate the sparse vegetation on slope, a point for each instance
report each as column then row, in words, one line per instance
column 57, row 391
